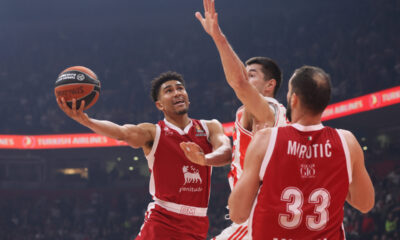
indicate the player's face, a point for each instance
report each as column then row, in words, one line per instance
column 173, row 97
column 256, row 76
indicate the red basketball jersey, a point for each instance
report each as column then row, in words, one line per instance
column 175, row 181
column 242, row 137
column 305, row 178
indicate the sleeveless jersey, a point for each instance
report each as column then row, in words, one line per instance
column 242, row 137
column 305, row 177
column 176, row 183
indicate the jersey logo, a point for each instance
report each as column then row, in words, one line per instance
column 200, row 132
column 307, row 170
column 168, row 131
column 191, row 177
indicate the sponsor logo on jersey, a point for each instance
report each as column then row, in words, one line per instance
column 307, row 170
column 191, row 176
column 200, row 132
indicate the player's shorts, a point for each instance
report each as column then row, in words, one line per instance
column 234, row 232
column 161, row 224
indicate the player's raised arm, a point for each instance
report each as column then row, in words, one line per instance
column 361, row 191
column 245, row 192
column 235, row 71
column 135, row 135
column 222, row 151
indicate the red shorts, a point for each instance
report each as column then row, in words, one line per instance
column 161, row 224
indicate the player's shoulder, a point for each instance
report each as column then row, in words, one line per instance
column 349, row 138
column 272, row 100
column 345, row 133
column 147, row 125
column 212, row 123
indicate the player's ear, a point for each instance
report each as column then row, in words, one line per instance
column 159, row 105
column 270, row 85
column 295, row 100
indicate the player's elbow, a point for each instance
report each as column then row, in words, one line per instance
column 237, row 218
column 364, row 205
column 239, row 81
column 236, row 214
column 367, row 206
column 227, row 156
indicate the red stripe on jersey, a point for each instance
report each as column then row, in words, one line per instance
column 234, row 234
column 242, row 234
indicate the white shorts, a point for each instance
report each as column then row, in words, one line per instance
column 234, row 232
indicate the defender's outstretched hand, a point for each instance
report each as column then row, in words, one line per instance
column 193, row 152
column 210, row 20
column 76, row 114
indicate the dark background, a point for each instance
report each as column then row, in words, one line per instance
column 128, row 43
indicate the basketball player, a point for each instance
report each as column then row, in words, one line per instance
column 180, row 188
column 256, row 86
column 297, row 178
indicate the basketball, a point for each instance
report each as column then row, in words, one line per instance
column 80, row 83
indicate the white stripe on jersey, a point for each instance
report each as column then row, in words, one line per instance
column 268, row 154
column 347, row 154
column 150, row 156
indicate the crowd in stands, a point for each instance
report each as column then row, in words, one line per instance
column 356, row 42
column 116, row 213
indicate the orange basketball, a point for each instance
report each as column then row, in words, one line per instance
column 80, row 83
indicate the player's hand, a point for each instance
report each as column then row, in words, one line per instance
column 193, row 152
column 76, row 114
column 210, row 20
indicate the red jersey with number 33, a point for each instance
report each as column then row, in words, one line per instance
column 305, row 178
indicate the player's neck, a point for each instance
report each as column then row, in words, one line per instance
column 180, row 121
column 269, row 94
column 307, row 119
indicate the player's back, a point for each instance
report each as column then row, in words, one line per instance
column 305, row 175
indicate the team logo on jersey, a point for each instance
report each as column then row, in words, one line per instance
column 192, row 176
column 200, row 132
column 307, row 170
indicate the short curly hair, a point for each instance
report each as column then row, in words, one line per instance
column 162, row 78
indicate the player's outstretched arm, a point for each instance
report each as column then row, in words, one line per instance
column 245, row 192
column 235, row 71
column 135, row 135
column 222, row 151
column 361, row 191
